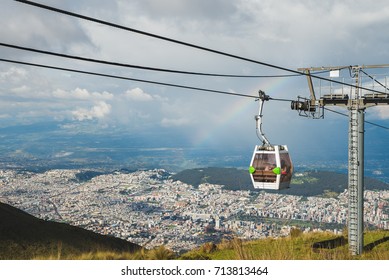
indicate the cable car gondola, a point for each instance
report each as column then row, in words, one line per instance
column 271, row 166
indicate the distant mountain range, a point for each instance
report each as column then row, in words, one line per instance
column 308, row 183
column 23, row 236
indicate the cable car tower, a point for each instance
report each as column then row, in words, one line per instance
column 356, row 101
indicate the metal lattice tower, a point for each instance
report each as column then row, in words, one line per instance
column 356, row 103
column 355, row 170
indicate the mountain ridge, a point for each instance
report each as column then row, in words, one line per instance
column 305, row 183
column 23, row 236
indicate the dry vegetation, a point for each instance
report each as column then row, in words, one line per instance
column 297, row 246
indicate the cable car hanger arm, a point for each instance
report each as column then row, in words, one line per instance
column 258, row 118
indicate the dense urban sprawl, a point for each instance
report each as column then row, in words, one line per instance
column 150, row 209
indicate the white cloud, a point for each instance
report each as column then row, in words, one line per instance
column 43, row 28
column 82, row 94
column 4, row 116
column 13, row 75
column 99, row 111
column 22, row 90
column 138, row 94
column 166, row 122
column 193, row 10
column 381, row 111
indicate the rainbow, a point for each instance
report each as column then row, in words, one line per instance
column 238, row 108
column 228, row 114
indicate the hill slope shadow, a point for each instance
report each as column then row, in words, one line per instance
column 23, row 236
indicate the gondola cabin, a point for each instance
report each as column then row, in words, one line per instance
column 271, row 167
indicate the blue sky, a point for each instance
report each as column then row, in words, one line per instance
column 289, row 34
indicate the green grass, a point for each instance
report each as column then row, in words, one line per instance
column 298, row 247
column 295, row 247
column 159, row 253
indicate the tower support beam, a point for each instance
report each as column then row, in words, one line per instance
column 356, row 180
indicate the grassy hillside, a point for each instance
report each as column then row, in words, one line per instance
column 299, row 246
column 23, row 236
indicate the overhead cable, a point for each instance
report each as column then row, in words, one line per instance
column 375, row 80
column 126, row 78
column 161, row 83
column 346, row 115
column 57, row 10
column 138, row 66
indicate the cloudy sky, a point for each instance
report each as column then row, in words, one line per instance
column 289, row 34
